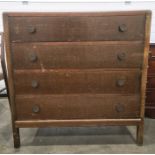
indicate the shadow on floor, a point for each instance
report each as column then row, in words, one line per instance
column 81, row 136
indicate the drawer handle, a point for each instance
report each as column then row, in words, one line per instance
column 35, row 109
column 120, row 82
column 33, row 57
column 122, row 28
column 121, row 56
column 119, row 107
column 31, row 29
column 34, row 84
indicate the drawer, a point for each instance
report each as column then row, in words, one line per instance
column 77, row 106
column 76, row 81
column 150, row 98
column 77, row 55
column 77, row 28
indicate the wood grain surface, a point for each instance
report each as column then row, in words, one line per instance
column 80, row 55
column 78, row 106
column 77, row 81
column 77, row 28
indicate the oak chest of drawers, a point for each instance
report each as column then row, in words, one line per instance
column 77, row 69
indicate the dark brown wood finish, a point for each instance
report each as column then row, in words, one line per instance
column 150, row 94
column 76, row 28
column 77, row 55
column 72, row 69
column 77, row 106
column 77, row 81
column 151, row 82
column 150, row 98
column 140, row 127
column 151, row 69
column 16, row 136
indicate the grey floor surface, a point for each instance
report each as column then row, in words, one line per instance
column 74, row 140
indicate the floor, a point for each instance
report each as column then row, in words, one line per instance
column 74, row 140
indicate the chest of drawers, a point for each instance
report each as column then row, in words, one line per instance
column 77, row 69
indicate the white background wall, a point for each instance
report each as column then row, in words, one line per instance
column 85, row 5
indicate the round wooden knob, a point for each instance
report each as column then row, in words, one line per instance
column 121, row 56
column 33, row 57
column 120, row 82
column 35, row 109
column 34, row 84
column 119, row 107
column 122, row 28
column 32, row 29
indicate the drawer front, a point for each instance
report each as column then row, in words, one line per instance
column 77, row 106
column 77, row 28
column 150, row 98
column 76, row 81
column 77, row 55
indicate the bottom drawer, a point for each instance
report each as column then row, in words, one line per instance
column 77, row 106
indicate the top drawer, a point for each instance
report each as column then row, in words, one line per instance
column 76, row 28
